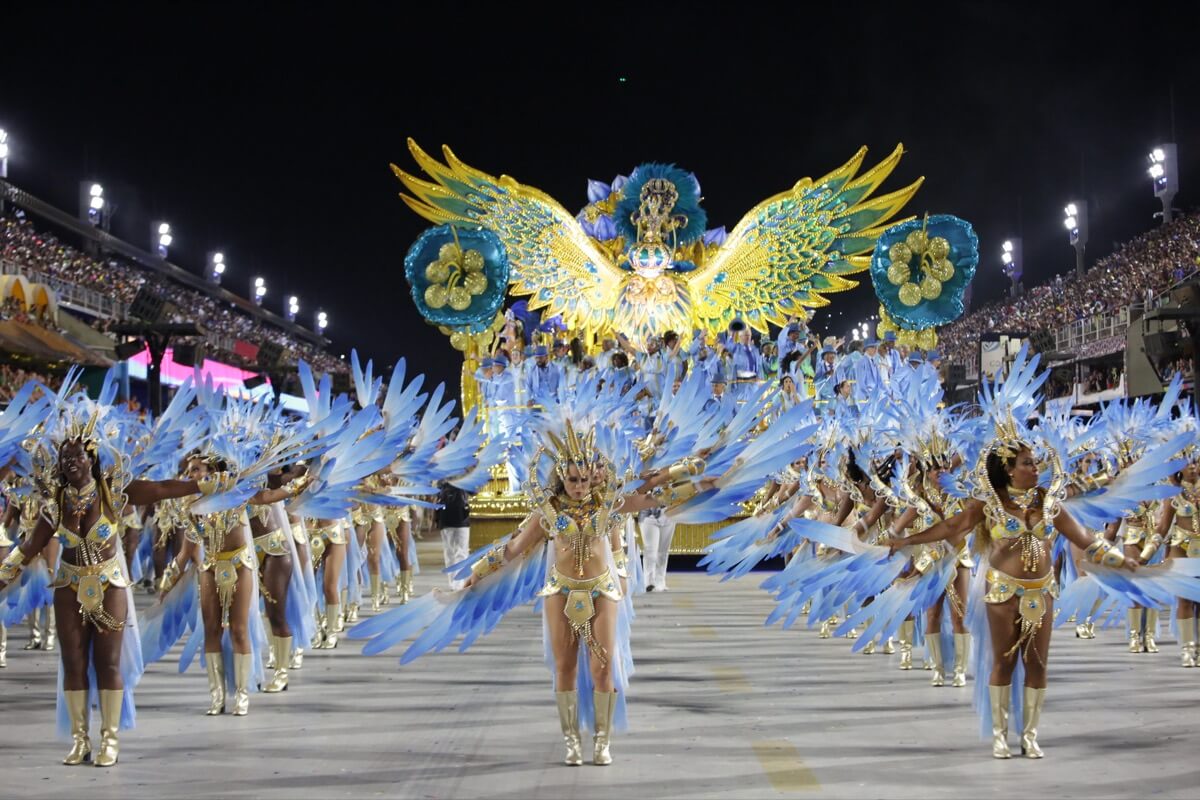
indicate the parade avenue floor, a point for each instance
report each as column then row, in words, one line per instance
column 720, row 707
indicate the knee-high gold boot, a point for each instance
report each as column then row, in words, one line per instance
column 1001, row 698
column 215, row 663
column 606, row 704
column 77, row 710
column 933, row 641
column 376, row 592
column 906, row 643
column 568, row 720
column 1135, row 630
column 333, row 621
column 111, row 701
column 1033, row 714
column 1151, row 630
column 406, row 586
column 962, row 644
column 50, row 633
column 1187, row 640
column 242, row 663
column 35, row 633
column 282, row 647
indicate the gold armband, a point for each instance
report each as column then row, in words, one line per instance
column 170, row 577
column 216, row 482
column 491, row 562
column 1101, row 552
column 295, row 487
column 688, row 467
column 621, row 562
column 676, row 493
column 1153, row 542
column 12, row 566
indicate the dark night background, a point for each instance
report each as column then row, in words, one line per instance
column 266, row 132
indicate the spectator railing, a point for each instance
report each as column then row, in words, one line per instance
column 1092, row 329
column 69, row 294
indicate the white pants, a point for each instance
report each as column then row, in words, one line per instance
column 456, row 545
column 657, row 533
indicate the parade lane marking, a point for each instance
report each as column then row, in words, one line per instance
column 706, row 632
column 731, row 680
column 785, row 769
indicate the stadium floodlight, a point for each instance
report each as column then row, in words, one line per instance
column 1076, row 223
column 94, row 207
column 293, row 308
column 322, row 320
column 260, row 290
column 1164, row 173
column 216, row 266
column 3, row 153
column 161, row 235
column 1011, row 263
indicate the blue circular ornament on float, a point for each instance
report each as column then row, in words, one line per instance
column 458, row 276
column 921, row 269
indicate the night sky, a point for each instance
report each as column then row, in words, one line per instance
column 268, row 134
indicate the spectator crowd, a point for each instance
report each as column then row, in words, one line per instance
column 34, row 251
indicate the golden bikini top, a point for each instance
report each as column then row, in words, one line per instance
column 101, row 532
column 576, row 523
column 1012, row 527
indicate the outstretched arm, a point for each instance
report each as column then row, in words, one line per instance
column 957, row 525
column 529, row 533
column 1095, row 548
column 143, row 493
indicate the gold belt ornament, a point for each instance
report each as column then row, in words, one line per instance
column 1032, row 604
column 271, row 544
column 224, row 567
column 90, row 583
column 580, row 607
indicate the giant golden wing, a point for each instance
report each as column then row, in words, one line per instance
column 797, row 246
column 553, row 261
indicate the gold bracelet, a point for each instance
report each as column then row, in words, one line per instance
column 12, row 566
column 491, row 562
column 676, row 493
column 170, row 577
column 1152, row 544
column 685, row 468
column 1101, row 552
column 621, row 562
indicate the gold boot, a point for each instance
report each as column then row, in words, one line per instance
column 568, row 720
column 606, row 704
column 3, row 646
column 50, row 634
column 934, row 642
column 270, row 650
column 215, row 665
column 351, row 616
column 1135, row 630
column 1151, row 631
column 77, row 712
column 962, row 643
column 1187, row 639
column 826, row 630
column 1033, row 713
column 216, row 682
column 333, row 618
column 35, row 634
column 869, row 649
column 297, row 658
column 406, row 586
column 111, row 701
column 282, row 646
column 376, row 592
column 889, row 647
column 242, row 667
column 906, row 637
column 1001, row 698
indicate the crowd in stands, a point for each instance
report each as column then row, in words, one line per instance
column 13, row 309
column 34, row 251
column 13, row 378
column 1148, row 264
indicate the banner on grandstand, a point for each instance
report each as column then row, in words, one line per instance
column 245, row 350
column 224, row 376
column 996, row 352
